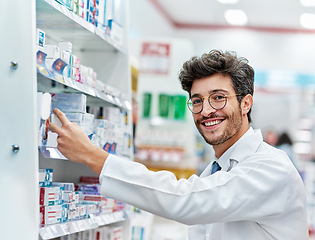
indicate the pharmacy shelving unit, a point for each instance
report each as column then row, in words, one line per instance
column 20, row 154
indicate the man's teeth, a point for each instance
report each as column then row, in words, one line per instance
column 212, row 123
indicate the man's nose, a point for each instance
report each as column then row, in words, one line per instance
column 207, row 109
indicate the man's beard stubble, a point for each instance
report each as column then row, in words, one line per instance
column 233, row 127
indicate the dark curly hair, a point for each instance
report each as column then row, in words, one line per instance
column 217, row 61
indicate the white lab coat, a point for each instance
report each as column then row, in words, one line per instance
column 262, row 197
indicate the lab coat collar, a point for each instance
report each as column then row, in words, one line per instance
column 246, row 145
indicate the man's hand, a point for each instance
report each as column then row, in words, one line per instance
column 75, row 145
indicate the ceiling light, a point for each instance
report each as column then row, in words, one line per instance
column 307, row 20
column 228, row 1
column 235, row 17
column 308, row 3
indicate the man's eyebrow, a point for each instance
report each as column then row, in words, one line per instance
column 210, row 92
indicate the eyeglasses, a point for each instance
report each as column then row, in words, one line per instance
column 216, row 100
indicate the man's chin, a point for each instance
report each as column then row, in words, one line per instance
column 214, row 140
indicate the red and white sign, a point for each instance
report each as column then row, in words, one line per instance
column 155, row 58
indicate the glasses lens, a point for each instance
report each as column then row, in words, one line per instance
column 217, row 100
column 195, row 104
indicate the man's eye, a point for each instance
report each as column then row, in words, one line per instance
column 196, row 101
column 218, row 97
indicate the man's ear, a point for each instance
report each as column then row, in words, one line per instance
column 246, row 104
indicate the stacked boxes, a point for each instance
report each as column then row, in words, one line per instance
column 64, row 202
column 88, row 76
column 92, row 11
column 53, row 53
column 53, row 214
column 50, row 196
column 90, row 194
column 69, row 102
column 74, row 69
column 111, row 133
column 66, row 56
column 74, row 107
column 104, row 135
column 105, row 14
column 52, row 209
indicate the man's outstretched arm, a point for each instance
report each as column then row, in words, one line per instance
column 75, row 145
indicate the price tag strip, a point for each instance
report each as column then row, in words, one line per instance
column 62, row 229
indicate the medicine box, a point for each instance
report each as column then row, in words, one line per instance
column 65, row 186
column 88, row 187
column 67, row 196
column 45, row 177
column 49, row 196
column 68, row 97
column 53, row 214
column 65, row 46
column 88, row 197
column 52, row 51
column 82, row 211
column 66, row 106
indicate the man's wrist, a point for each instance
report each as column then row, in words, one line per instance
column 96, row 159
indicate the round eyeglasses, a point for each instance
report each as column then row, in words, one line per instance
column 216, row 100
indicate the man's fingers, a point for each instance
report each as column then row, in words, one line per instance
column 54, row 128
column 61, row 116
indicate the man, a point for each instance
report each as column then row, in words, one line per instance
column 256, row 195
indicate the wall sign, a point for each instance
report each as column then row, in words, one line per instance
column 155, row 58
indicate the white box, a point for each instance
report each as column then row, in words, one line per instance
column 65, row 46
column 53, row 214
column 52, row 51
column 49, row 196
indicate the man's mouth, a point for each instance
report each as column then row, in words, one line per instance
column 212, row 123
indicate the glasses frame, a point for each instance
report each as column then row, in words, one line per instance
column 202, row 98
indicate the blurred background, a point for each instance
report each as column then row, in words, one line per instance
column 278, row 39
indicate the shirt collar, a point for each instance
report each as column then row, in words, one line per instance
column 246, row 145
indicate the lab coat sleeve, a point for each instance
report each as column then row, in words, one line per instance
column 246, row 192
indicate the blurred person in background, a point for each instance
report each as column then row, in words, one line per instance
column 271, row 137
column 285, row 143
column 251, row 191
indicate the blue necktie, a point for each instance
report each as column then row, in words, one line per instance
column 215, row 167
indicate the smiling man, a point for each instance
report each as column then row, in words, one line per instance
column 220, row 124
column 251, row 191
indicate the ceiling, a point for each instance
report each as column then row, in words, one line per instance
column 266, row 15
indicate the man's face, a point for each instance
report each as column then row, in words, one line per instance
column 218, row 126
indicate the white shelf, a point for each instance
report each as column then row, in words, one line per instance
column 56, row 19
column 106, row 219
column 43, row 81
column 20, row 168
column 71, row 15
column 62, row 229
column 54, row 153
